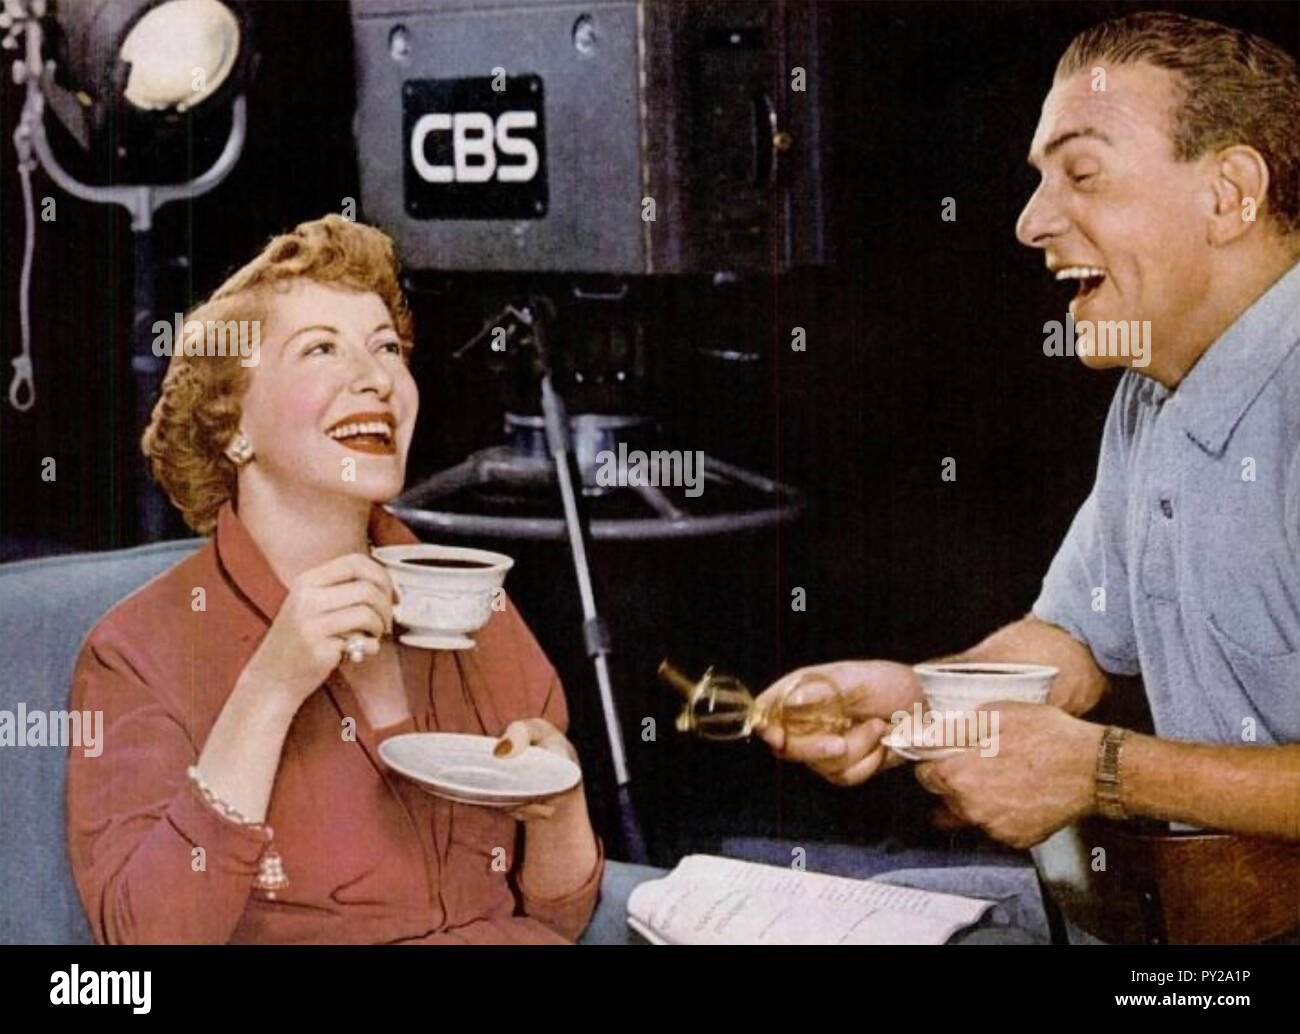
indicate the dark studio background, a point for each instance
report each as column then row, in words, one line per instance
column 924, row 342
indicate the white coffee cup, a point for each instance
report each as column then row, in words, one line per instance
column 968, row 685
column 446, row 592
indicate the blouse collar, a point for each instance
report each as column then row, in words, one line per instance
column 251, row 572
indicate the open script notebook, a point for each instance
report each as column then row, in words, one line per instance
column 711, row 900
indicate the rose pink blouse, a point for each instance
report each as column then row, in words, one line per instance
column 370, row 858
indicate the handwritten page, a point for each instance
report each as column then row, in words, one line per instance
column 712, row 900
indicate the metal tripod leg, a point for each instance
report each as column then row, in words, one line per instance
column 595, row 633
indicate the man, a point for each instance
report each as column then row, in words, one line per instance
column 1170, row 192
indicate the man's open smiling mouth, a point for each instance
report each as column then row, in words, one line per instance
column 1090, row 279
column 366, row 432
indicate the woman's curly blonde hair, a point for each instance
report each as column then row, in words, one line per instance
column 199, row 408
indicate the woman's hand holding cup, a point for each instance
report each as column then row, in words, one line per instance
column 341, row 606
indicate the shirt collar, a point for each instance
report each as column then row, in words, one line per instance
column 251, row 572
column 1218, row 390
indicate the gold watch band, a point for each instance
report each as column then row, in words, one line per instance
column 1108, row 782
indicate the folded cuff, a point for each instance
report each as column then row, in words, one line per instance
column 226, row 844
column 570, row 914
column 1044, row 609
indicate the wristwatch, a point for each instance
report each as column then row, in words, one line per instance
column 1109, row 786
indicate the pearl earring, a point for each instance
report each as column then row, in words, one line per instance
column 240, row 450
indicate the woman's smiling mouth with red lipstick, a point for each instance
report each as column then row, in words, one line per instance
column 366, row 432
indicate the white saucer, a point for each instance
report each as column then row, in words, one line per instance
column 437, row 642
column 915, row 753
column 485, row 803
column 463, row 769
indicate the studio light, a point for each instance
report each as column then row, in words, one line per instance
column 139, row 67
column 132, row 82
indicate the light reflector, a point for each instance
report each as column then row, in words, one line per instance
column 180, row 52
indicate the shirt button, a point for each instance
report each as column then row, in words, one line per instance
column 1167, row 508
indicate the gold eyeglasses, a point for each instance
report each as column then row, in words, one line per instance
column 721, row 707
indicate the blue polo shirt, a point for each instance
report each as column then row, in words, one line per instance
column 1192, row 534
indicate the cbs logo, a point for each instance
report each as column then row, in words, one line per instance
column 476, row 141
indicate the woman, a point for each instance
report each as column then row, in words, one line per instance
column 240, row 796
